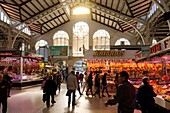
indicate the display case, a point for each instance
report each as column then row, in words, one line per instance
column 23, row 67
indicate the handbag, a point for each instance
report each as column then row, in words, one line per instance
column 44, row 97
column 68, row 93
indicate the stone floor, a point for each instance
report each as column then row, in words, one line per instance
column 30, row 101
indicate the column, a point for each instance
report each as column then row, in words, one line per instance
column 9, row 42
column 147, row 38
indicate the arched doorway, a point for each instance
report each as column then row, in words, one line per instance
column 41, row 48
column 80, row 66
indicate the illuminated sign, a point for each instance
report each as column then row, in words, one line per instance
column 166, row 43
column 161, row 46
column 109, row 53
column 6, row 54
column 9, row 53
column 155, row 48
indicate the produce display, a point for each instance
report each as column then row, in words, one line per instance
column 135, row 70
column 163, row 90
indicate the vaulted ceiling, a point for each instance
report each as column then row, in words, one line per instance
column 44, row 15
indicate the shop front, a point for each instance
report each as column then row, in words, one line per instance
column 111, row 62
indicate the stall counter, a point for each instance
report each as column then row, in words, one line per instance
column 162, row 102
column 26, row 84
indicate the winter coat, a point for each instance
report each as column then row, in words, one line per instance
column 4, row 86
column 50, row 87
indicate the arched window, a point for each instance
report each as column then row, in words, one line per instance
column 61, row 38
column 80, row 38
column 41, row 48
column 154, row 42
column 122, row 41
column 101, row 40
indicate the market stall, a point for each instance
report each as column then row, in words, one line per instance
column 23, row 67
column 159, row 54
column 113, row 61
column 159, row 60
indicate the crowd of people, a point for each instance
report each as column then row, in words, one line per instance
column 126, row 95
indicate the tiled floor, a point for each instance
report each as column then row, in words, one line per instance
column 30, row 101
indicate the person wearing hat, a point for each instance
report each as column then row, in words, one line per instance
column 4, row 85
column 125, row 95
column 145, row 96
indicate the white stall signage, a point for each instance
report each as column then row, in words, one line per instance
column 161, row 46
column 167, row 43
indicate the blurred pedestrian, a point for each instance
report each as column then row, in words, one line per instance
column 4, row 86
column 97, row 85
column 59, row 80
column 71, row 88
column 104, row 85
column 9, row 79
column 50, row 90
column 90, row 84
column 78, row 82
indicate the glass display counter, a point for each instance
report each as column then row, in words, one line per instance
column 27, row 81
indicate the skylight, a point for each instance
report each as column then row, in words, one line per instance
column 81, row 10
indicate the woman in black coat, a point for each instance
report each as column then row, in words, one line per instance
column 90, row 84
column 50, row 90
column 104, row 84
column 97, row 85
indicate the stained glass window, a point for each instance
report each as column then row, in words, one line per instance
column 80, row 38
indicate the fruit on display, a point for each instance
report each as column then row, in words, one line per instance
column 167, row 98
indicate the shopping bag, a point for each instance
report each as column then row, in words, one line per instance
column 44, row 97
column 68, row 93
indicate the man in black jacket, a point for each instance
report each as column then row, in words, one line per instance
column 50, row 90
column 145, row 97
column 9, row 79
column 125, row 95
column 4, row 85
